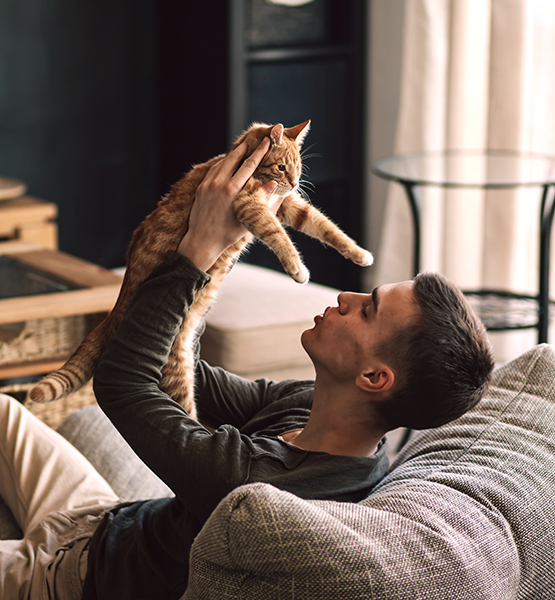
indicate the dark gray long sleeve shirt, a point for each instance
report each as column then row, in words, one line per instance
column 141, row 549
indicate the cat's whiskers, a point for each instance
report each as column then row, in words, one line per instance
column 315, row 155
column 305, row 150
column 302, row 191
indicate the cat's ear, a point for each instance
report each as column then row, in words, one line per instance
column 276, row 133
column 299, row 132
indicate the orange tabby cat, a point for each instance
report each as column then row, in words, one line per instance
column 164, row 228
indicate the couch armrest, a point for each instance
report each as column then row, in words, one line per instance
column 265, row 543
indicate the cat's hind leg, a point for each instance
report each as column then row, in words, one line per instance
column 303, row 216
column 178, row 374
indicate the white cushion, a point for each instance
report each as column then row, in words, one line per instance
column 254, row 328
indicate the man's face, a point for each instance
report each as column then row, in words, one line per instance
column 344, row 338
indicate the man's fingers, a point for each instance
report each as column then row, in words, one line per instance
column 225, row 166
column 251, row 163
column 229, row 172
column 229, row 164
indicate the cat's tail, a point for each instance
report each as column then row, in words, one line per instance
column 76, row 371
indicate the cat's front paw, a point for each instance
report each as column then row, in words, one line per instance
column 365, row 260
column 360, row 257
column 300, row 276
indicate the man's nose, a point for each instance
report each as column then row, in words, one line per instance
column 345, row 301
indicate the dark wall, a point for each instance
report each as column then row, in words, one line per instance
column 193, row 85
column 78, row 115
column 106, row 103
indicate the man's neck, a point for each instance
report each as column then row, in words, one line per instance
column 340, row 423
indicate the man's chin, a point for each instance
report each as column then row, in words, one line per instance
column 305, row 339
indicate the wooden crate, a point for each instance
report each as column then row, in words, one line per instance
column 29, row 219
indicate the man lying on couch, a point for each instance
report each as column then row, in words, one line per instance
column 410, row 354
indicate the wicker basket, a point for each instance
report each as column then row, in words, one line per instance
column 52, row 413
column 46, row 339
column 41, row 339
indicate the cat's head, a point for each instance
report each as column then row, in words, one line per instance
column 282, row 163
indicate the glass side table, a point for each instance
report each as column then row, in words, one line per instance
column 485, row 169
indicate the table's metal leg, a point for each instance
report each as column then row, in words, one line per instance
column 415, row 212
column 547, row 212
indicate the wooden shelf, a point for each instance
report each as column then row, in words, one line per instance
column 61, row 304
column 269, row 55
column 100, row 286
column 30, row 368
column 100, row 289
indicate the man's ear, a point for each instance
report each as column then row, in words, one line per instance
column 376, row 381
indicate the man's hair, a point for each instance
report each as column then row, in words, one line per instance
column 442, row 362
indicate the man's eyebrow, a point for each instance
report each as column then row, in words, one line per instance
column 375, row 299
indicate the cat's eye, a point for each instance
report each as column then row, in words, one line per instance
column 281, row 167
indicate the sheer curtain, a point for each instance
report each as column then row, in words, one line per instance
column 461, row 74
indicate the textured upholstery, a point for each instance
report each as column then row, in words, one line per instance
column 466, row 512
column 91, row 432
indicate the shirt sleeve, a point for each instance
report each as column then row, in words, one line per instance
column 224, row 397
column 199, row 467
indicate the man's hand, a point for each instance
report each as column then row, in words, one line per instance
column 212, row 224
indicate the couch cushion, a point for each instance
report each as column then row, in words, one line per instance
column 254, row 328
column 466, row 513
column 503, row 456
column 92, row 433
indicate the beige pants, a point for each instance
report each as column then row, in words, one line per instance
column 57, row 498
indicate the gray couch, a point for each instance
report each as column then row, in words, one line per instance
column 467, row 511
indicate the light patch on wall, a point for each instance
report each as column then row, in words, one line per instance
column 290, row 2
